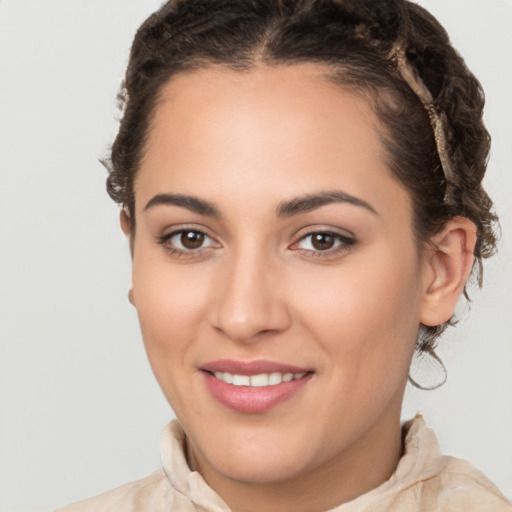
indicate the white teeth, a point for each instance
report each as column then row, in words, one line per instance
column 275, row 378
column 241, row 380
column 261, row 380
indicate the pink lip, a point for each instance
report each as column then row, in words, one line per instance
column 248, row 399
column 251, row 367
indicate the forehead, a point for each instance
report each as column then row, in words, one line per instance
column 298, row 100
column 274, row 131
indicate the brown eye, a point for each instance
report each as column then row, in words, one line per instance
column 322, row 241
column 192, row 239
column 186, row 241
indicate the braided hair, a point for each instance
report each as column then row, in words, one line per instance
column 396, row 54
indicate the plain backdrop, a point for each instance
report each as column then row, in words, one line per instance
column 80, row 411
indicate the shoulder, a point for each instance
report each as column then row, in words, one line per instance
column 453, row 486
column 451, row 483
column 150, row 493
column 460, row 486
column 427, row 480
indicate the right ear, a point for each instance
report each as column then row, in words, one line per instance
column 124, row 220
column 126, row 226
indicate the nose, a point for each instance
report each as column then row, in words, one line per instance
column 249, row 299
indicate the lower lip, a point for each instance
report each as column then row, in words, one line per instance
column 249, row 399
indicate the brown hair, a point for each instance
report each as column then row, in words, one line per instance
column 353, row 40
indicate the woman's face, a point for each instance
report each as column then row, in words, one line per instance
column 273, row 243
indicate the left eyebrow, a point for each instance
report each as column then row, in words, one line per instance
column 307, row 203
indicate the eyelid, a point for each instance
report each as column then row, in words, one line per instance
column 172, row 230
column 319, row 228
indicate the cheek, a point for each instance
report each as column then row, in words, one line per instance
column 365, row 314
column 171, row 307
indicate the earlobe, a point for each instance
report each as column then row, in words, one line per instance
column 131, row 299
column 447, row 266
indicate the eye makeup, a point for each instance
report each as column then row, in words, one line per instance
column 191, row 241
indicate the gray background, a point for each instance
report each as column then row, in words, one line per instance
column 80, row 411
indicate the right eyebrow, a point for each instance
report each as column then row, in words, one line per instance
column 194, row 204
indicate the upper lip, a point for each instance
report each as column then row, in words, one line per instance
column 251, row 367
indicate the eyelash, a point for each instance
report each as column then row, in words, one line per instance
column 344, row 243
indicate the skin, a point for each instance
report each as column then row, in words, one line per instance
column 256, row 289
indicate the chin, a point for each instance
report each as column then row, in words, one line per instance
column 264, row 469
column 261, row 454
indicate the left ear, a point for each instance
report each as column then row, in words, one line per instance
column 447, row 263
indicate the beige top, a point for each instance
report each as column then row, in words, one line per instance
column 424, row 481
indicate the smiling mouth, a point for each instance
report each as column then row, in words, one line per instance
column 254, row 386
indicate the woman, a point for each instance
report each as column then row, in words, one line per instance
column 300, row 183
